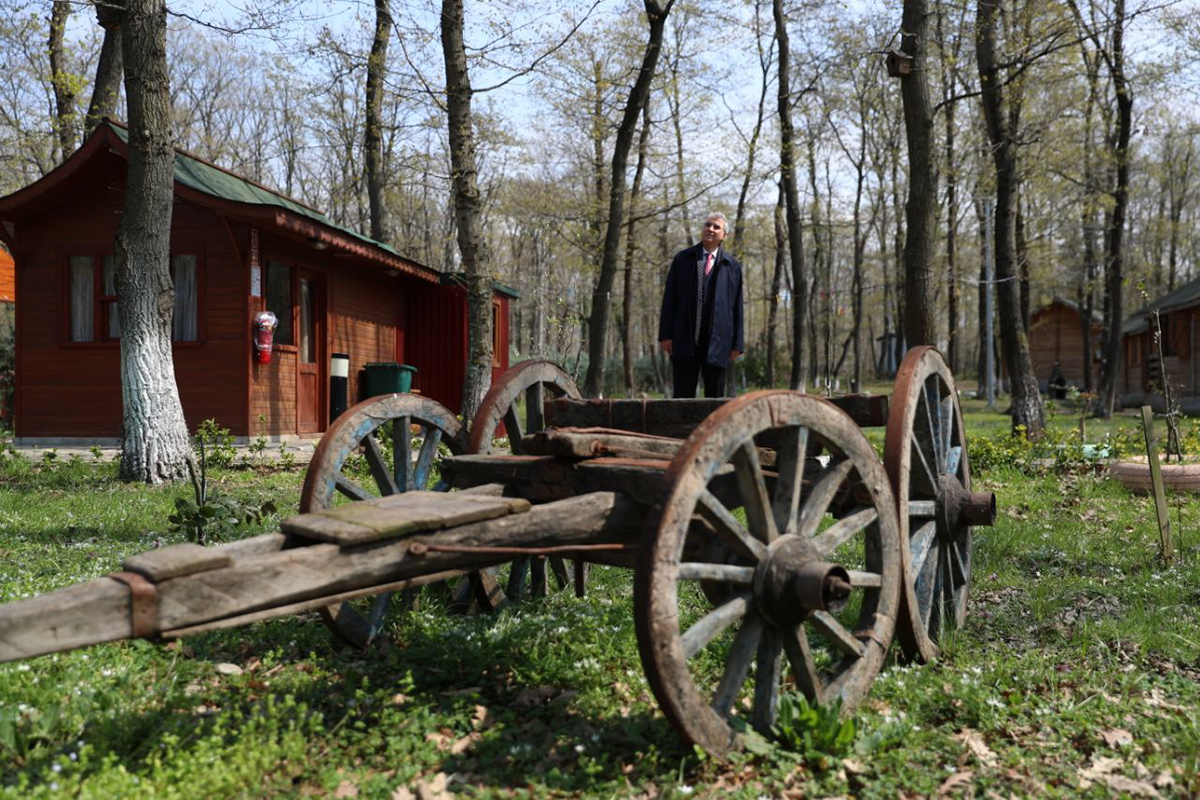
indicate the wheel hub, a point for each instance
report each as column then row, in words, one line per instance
column 792, row 581
column 956, row 507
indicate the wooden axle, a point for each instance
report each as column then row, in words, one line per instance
column 279, row 573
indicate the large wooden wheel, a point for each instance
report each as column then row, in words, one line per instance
column 720, row 590
column 527, row 382
column 925, row 454
column 419, row 426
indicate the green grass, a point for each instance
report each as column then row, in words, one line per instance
column 1080, row 646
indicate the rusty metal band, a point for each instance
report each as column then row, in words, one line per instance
column 143, row 603
column 421, row 548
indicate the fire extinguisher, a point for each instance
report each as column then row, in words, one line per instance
column 264, row 334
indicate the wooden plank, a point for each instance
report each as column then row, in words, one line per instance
column 176, row 560
column 80, row 615
column 593, row 442
column 318, row 570
column 678, row 418
column 1160, row 494
column 399, row 515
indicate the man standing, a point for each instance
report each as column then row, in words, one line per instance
column 700, row 326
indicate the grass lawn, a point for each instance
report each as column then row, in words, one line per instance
column 1077, row 672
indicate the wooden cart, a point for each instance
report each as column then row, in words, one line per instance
column 773, row 548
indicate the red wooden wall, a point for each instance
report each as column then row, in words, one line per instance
column 73, row 389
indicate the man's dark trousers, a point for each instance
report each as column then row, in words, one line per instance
column 685, row 373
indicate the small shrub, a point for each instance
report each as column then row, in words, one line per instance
column 218, row 441
column 210, row 516
column 816, row 732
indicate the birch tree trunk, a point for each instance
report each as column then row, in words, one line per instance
column 787, row 167
column 656, row 13
column 630, row 252
column 106, row 89
column 467, row 210
column 155, row 442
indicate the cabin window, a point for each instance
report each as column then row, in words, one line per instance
column 279, row 299
column 93, row 299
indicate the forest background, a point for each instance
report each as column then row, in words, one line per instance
column 278, row 93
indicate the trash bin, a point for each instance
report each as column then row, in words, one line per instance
column 386, row 377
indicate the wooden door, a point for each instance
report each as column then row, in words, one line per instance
column 310, row 360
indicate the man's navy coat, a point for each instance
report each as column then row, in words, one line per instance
column 678, row 317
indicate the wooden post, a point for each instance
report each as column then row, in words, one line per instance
column 1160, row 496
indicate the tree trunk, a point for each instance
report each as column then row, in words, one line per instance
column 949, row 80
column 467, row 209
column 373, row 137
column 764, row 60
column 155, row 446
column 598, row 321
column 1115, row 277
column 787, row 167
column 920, row 212
column 106, row 90
column 64, row 89
column 1027, row 410
column 630, row 250
column 776, row 280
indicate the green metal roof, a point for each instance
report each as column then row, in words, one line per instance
column 211, row 180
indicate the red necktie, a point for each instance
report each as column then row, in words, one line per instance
column 708, row 263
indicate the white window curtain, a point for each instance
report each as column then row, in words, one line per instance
column 184, row 327
column 83, row 279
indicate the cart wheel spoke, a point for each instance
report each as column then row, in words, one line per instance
column 804, row 668
column 933, row 419
column 836, row 634
column 727, row 527
column 767, row 681
column 920, row 544
column 958, row 570
column 350, row 489
column 954, row 461
column 924, row 478
column 426, row 456
column 865, row 580
column 512, row 426
column 402, row 453
column 821, row 494
column 946, row 406
column 754, row 492
column 725, row 573
column 737, row 664
column 378, row 466
column 844, row 530
column 714, row 622
column 789, row 463
column 535, row 399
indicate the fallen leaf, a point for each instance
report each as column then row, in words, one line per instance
column 1119, row 783
column 346, row 789
column 959, row 780
column 433, row 789
column 974, row 742
column 403, row 793
column 226, row 668
column 854, row 766
column 460, row 746
column 1117, row 737
column 482, row 719
column 399, row 699
column 1164, row 780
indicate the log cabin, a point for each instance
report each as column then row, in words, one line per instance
column 237, row 248
column 1056, row 337
column 1141, row 376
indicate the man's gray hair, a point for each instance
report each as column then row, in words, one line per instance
column 720, row 216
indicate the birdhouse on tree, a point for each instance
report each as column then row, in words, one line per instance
column 899, row 64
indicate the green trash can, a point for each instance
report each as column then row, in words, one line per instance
column 386, row 377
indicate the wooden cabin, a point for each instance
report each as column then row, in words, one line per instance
column 1056, row 337
column 237, row 248
column 1142, row 370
